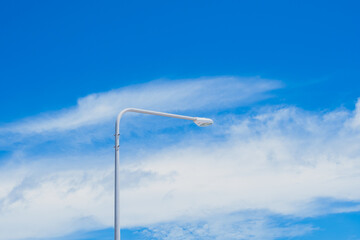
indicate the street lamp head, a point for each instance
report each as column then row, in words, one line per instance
column 203, row 122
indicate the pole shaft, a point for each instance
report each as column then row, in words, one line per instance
column 117, row 184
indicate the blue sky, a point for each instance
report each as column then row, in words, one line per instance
column 280, row 79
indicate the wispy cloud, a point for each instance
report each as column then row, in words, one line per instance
column 276, row 160
column 181, row 95
column 250, row 225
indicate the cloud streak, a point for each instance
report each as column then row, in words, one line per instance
column 177, row 96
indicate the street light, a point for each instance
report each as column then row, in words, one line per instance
column 201, row 122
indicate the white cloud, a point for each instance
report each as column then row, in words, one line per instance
column 181, row 95
column 250, row 225
column 280, row 160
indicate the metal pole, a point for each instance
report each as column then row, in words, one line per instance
column 117, row 161
column 117, row 184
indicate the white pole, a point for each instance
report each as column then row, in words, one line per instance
column 117, row 162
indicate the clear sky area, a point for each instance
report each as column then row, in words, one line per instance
column 280, row 79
